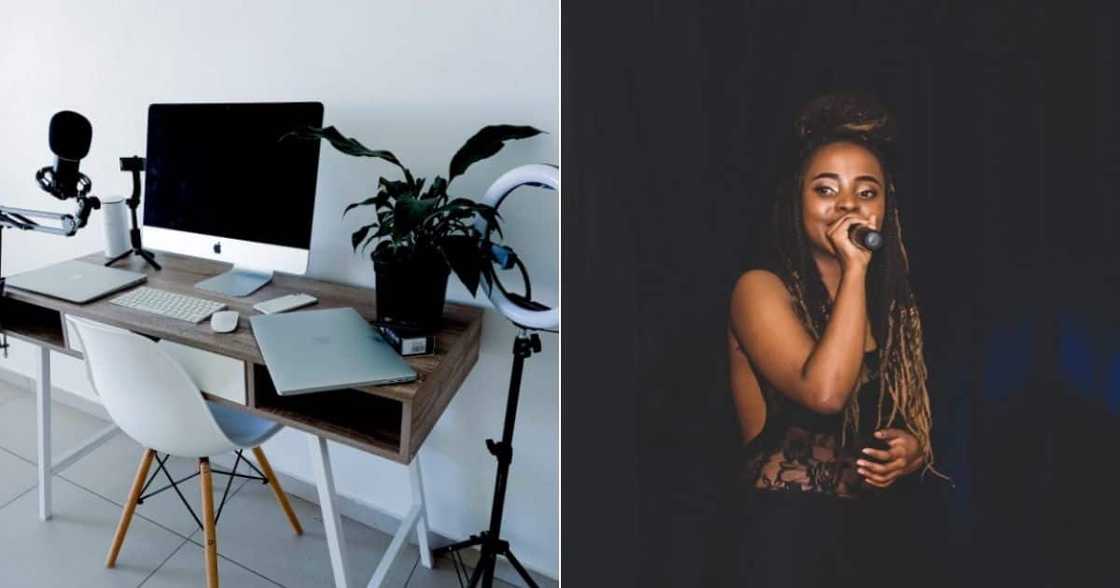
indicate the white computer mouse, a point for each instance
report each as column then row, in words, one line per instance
column 224, row 321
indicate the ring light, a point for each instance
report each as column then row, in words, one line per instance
column 525, row 313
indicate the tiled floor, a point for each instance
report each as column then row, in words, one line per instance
column 256, row 546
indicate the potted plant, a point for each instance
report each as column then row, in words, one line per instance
column 419, row 233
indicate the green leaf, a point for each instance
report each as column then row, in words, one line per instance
column 464, row 257
column 485, row 143
column 366, row 202
column 460, row 208
column 395, row 188
column 457, row 204
column 344, row 144
column 408, row 214
column 383, row 200
column 360, row 235
column 437, row 189
column 491, row 216
column 382, row 231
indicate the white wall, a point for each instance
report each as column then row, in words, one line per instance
column 417, row 78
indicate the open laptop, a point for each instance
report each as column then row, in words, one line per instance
column 328, row 349
column 75, row 281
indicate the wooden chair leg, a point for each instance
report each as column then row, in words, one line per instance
column 130, row 507
column 281, row 496
column 210, row 549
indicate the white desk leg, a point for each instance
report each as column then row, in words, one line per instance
column 43, row 408
column 422, row 522
column 415, row 518
column 324, row 480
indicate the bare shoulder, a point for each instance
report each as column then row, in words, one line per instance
column 760, row 309
column 758, row 286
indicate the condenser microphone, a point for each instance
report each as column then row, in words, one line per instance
column 70, row 135
column 866, row 237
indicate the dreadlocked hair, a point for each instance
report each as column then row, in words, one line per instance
column 893, row 309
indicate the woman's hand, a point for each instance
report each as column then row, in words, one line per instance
column 903, row 457
column 846, row 250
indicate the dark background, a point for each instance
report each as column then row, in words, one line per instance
column 674, row 116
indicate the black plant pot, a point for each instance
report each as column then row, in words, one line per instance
column 413, row 293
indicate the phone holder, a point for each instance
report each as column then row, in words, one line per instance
column 134, row 165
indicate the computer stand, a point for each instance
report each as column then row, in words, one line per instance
column 238, row 282
column 135, row 165
column 490, row 540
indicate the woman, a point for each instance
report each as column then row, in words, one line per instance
column 827, row 372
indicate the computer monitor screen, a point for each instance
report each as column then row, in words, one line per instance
column 220, row 183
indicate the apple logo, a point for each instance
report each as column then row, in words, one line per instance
column 218, row 247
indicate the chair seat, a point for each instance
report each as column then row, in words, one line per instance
column 243, row 429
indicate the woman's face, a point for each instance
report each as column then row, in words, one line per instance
column 841, row 178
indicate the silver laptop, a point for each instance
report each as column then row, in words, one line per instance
column 328, row 349
column 75, row 281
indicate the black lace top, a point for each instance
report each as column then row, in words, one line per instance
column 800, row 450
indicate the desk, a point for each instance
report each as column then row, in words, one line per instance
column 389, row 421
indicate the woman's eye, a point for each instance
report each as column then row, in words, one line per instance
column 822, row 190
column 868, row 194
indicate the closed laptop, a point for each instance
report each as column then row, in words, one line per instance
column 75, row 281
column 327, row 349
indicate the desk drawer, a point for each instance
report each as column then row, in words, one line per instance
column 214, row 374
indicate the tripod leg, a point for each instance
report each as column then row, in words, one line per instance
column 118, row 258
column 520, row 569
column 482, row 561
column 449, row 549
column 474, row 540
column 147, row 255
column 488, row 575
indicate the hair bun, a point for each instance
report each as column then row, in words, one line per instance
column 845, row 114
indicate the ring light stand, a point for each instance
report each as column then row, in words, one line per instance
column 528, row 316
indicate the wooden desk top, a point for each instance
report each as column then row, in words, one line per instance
column 439, row 374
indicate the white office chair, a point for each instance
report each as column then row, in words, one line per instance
column 154, row 401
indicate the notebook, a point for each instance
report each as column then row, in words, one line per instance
column 327, row 349
column 75, row 281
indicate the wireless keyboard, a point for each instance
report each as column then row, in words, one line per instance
column 169, row 304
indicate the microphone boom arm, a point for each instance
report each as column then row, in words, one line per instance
column 69, row 223
column 21, row 218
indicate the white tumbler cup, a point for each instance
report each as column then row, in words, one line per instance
column 115, row 213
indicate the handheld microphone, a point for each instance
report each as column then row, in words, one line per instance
column 70, row 135
column 866, row 237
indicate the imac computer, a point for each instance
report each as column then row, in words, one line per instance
column 221, row 185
